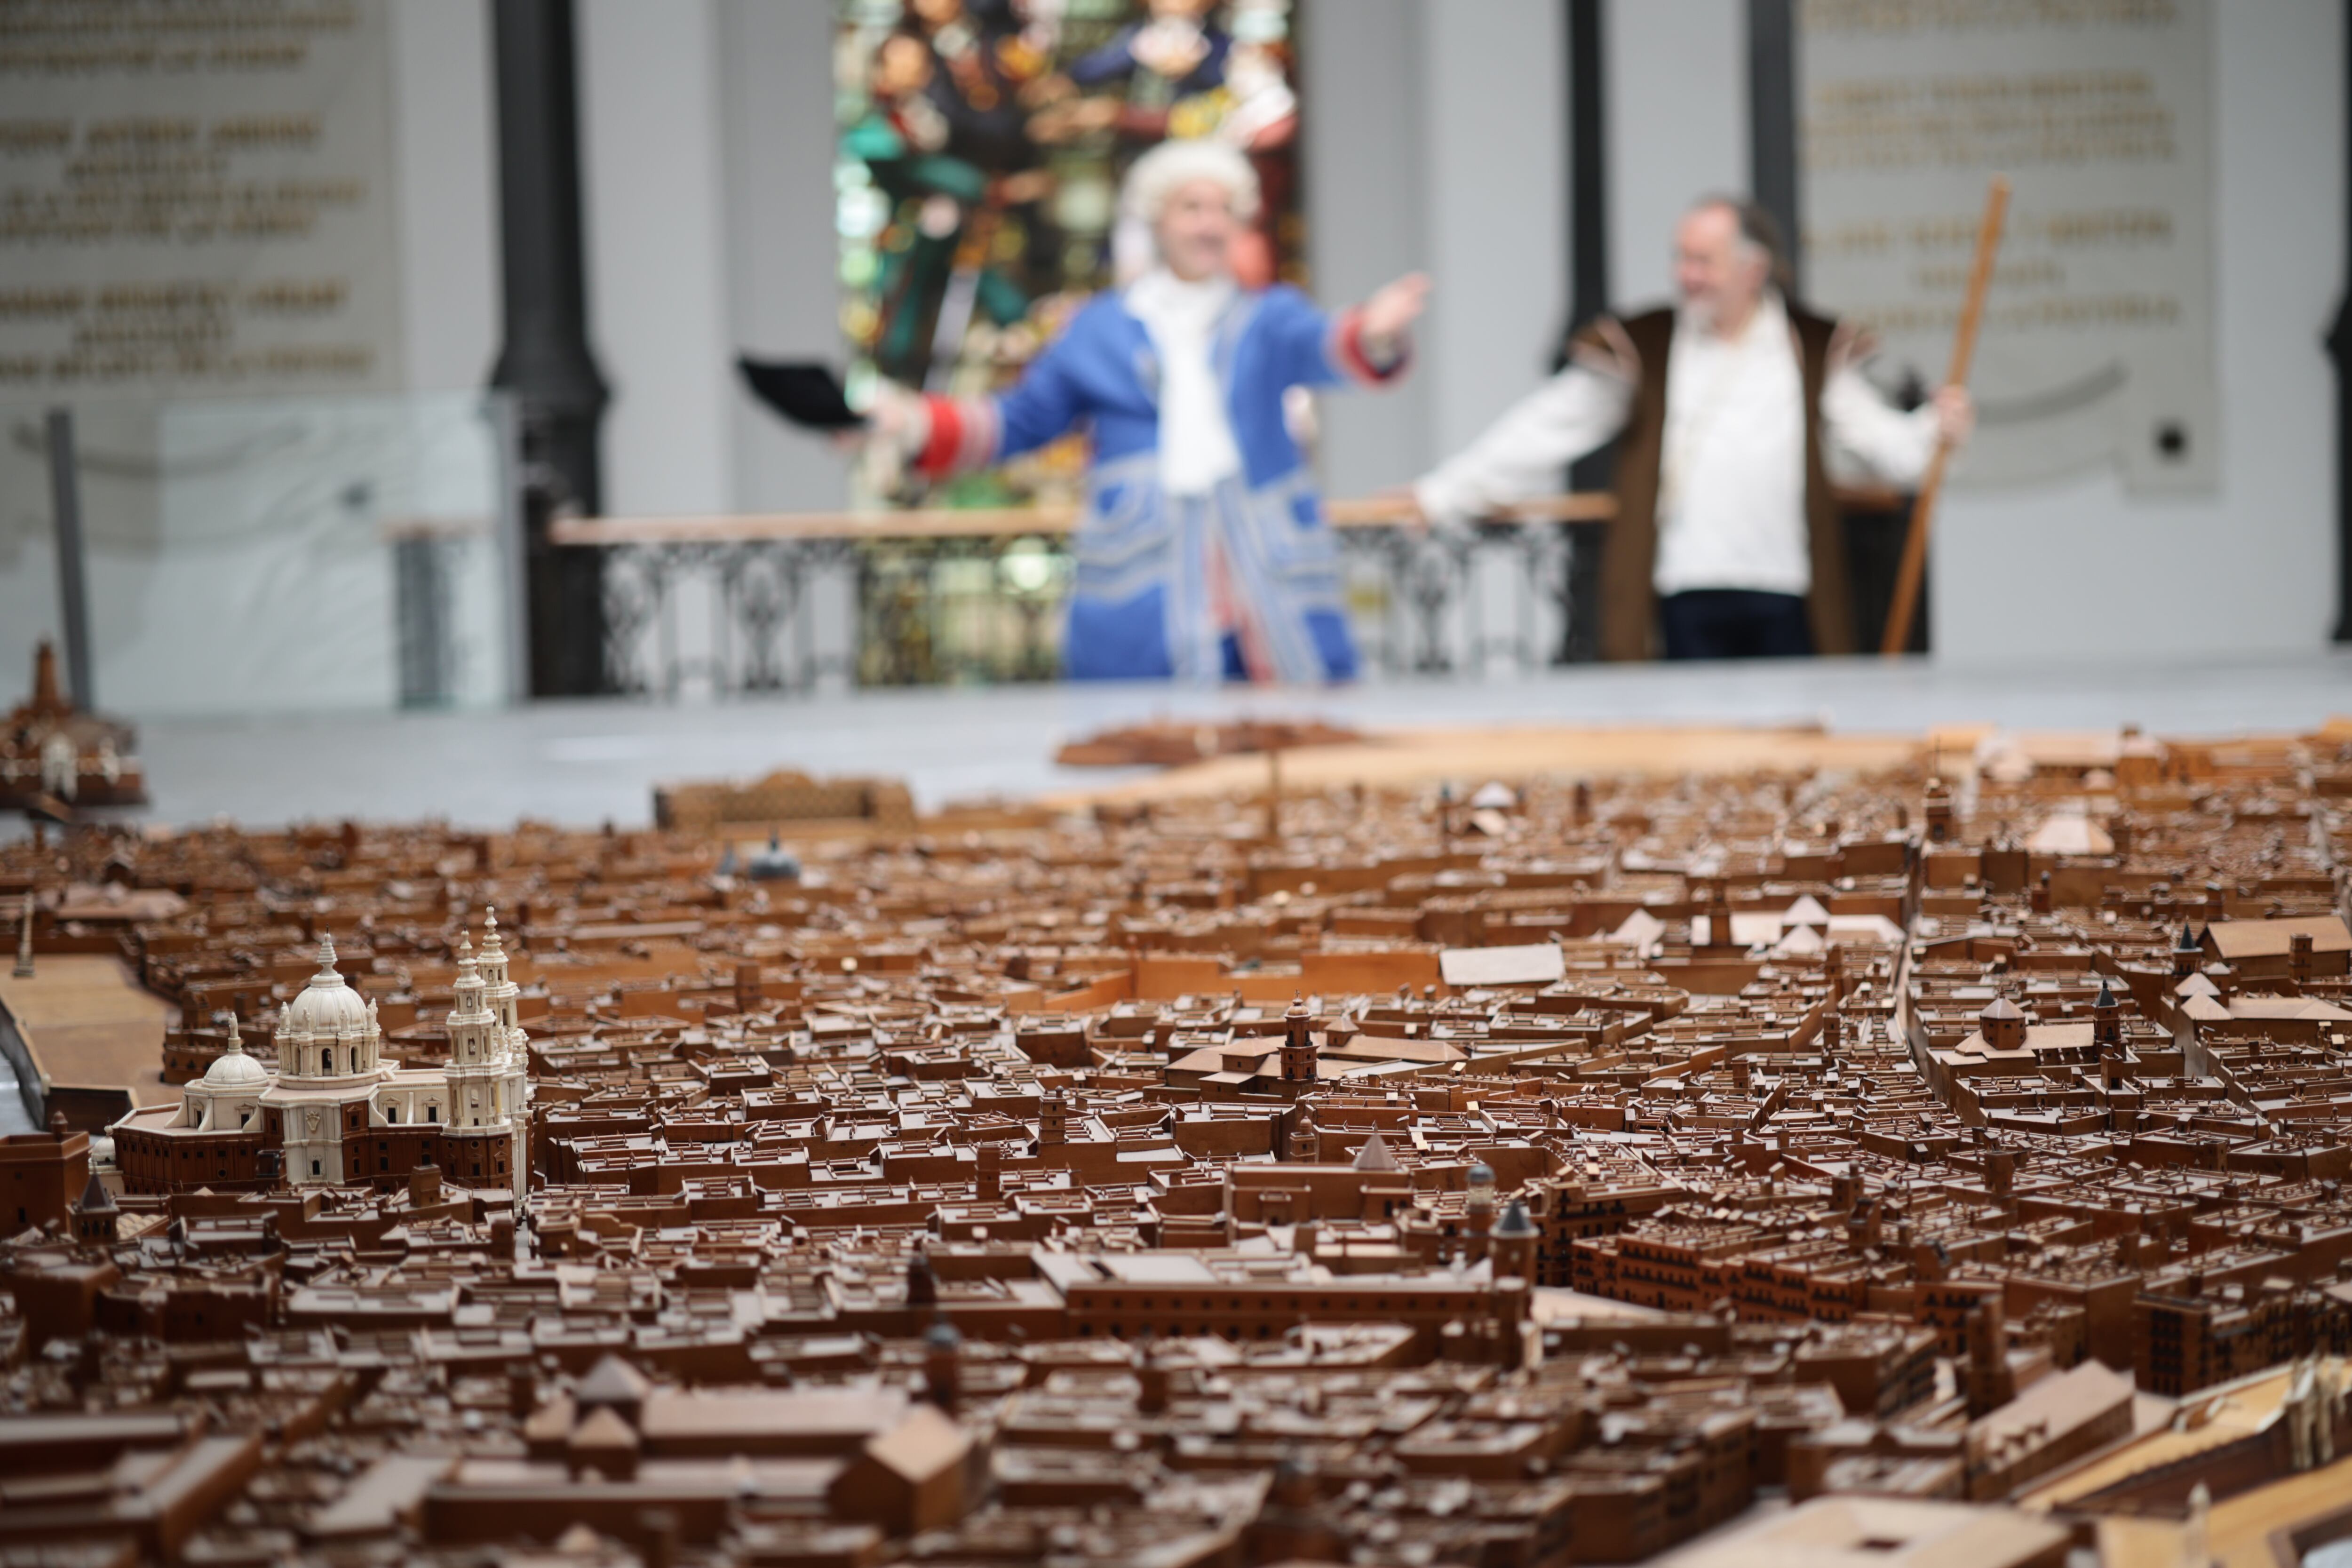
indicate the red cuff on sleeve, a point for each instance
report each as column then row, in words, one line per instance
column 1349, row 351
column 939, row 452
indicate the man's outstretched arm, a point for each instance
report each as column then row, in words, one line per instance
column 1522, row 453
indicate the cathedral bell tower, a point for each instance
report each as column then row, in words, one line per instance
column 1298, row 1047
column 487, row 1139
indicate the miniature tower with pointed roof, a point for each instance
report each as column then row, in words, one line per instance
column 2107, row 1034
column 2106, row 1017
column 96, row 1216
column 1512, row 1243
column 488, row 1075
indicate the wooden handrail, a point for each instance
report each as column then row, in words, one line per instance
column 965, row 523
column 999, row 522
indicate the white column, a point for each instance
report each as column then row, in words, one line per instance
column 651, row 166
column 448, row 165
column 776, row 91
column 1361, row 157
column 1676, row 99
column 1496, row 84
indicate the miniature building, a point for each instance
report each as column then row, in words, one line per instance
column 788, row 799
column 487, row 1075
column 41, row 1173
column 336, row 1112
column 51, row 753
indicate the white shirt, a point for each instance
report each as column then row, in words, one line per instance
column 1731, row 474
column 1196, row 434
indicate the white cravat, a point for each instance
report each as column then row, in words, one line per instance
column 1196, row 436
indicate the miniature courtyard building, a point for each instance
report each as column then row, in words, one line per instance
column 336, row 1112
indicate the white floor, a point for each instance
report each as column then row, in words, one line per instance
column 584, row 763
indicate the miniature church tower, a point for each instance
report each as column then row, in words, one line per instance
column 1992, row 1382
column 1305, row 1147
column 488, row 1076
column 2003, row 1025
column 1298, row 1047
column 328, row 1073
column 1939, row 810
column 2107, row 1034
column 96, row 1218
column 1478, row 1210
column 1511, row 1244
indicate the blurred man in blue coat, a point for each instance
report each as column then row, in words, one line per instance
column 1202, row 554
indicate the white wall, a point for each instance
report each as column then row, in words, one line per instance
column 776, row 84
column 447, row 154
column 1676, row 99
column 1361, row 157
column 1496, row 128
column 707, row 166
column 446, row 182
column 653, row 172
column 2082, row 570
column 1436, row 140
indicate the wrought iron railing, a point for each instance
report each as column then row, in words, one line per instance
column 969, row 596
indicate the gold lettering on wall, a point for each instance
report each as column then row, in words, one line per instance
column 195, row 197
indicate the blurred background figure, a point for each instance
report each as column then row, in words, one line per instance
column 1201, row 552
column 1727, row 541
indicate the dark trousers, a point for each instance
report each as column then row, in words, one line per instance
column 1734, row 622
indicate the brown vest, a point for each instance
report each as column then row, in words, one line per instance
column 1629, row 608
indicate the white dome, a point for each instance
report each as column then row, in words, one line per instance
column 328, row 1006
column 232, row 1068
column 235, row 1070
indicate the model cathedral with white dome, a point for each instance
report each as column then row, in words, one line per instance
column 335, row 1111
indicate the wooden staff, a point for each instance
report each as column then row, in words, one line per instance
column 1905, row 602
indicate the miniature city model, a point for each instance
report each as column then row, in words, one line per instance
column 1556, row 1177
column 55, row 758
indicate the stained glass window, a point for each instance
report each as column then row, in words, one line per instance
column 982, row 144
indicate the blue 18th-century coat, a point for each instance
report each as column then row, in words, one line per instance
column 1149, row 573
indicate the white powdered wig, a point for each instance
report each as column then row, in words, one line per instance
column 1157, row 175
